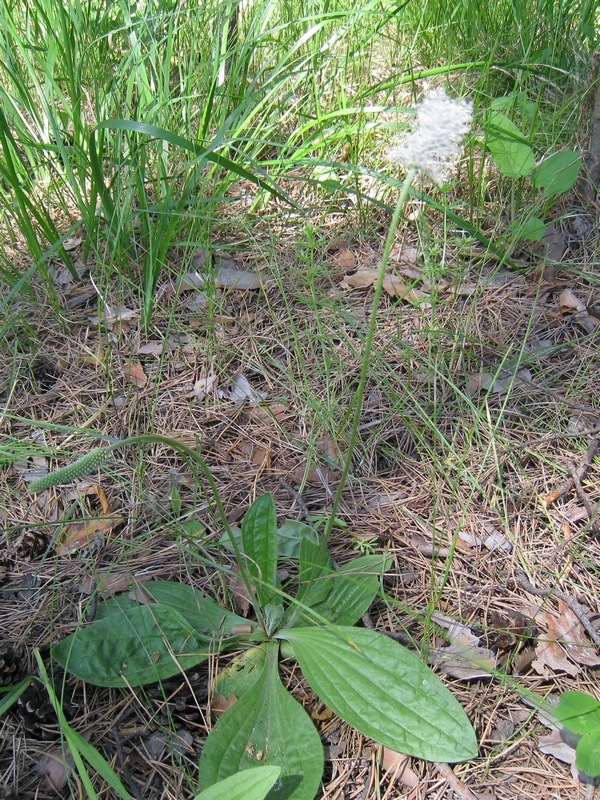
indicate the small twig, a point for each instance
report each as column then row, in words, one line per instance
column 591, row 511
column 577, row 474
column 296, row 496
column 458, row 787
column 523, row 581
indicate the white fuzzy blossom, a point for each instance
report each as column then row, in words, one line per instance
column 434, row 147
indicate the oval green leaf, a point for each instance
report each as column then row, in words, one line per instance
column 138, row 646
column 384, row 691
column 587, row 757
column 510, row 151
column 557, row 173
column 251, row 784
column 532, row 229
column 578, row 712
column 204, row 614
column 266, row 725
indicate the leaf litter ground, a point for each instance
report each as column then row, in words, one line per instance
column 476, row 468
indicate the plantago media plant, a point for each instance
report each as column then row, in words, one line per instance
column 162, row 628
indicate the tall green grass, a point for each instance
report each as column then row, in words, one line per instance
column 135, row 120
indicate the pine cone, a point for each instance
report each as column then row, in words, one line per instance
column 30, row 544
column 10, row 665
column 35, row 710
column 172, row 698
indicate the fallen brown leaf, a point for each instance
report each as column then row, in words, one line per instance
column 343, row 260
column 135, row 374
column 564, row 647
column 89, row 534
column 365, row 277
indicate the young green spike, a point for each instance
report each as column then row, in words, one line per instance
column 78, row 469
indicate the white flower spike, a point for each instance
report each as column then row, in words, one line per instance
column 434, row 147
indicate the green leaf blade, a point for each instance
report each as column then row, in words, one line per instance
column 587, row 757
column 509, row 149
column 139, row 646
column 251, row 784
column 203, row 614
column 557, row 173
column 266, row 726
column 578, row 712
column 384, row 691
column 259, row 542
column 354, row 587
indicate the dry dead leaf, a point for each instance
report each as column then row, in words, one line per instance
column 564, row 647
column 405, row 253
column 554, row 745
column 269, row 412
column 398, row 767
column 72, row 243
column 258, row 454
column 240, row 390
column 33, row 469
column 463, row 658
column 119, row 314
column 464, row 662
column 198, row 303
column 154, row 348
column 223, row 277
column 489, row 537
column 91, row 533
column 343, row 260
column 239, row 591
column 560, row 745
column 203, row 386
column 570, row 304
column 135, row 374
column 55, row 768
column 365, row 277
column 553, row 243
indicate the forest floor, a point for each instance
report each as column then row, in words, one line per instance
column 477, row 469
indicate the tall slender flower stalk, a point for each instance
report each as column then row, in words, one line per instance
column 431, row 151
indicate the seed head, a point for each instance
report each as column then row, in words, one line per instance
column 434, row 147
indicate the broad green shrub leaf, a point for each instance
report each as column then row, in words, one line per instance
column 557, row 173
column 290, row 536
column 587, row 754
column 266, row 726
column 259, row 544
column 578, row 712
column 510, row 151
column 206, row 616
column 251, row 784
column 354, row 587
column 384, row 691
column 133, row 648
column 532, row 229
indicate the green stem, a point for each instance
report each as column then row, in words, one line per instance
column 357, row 400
